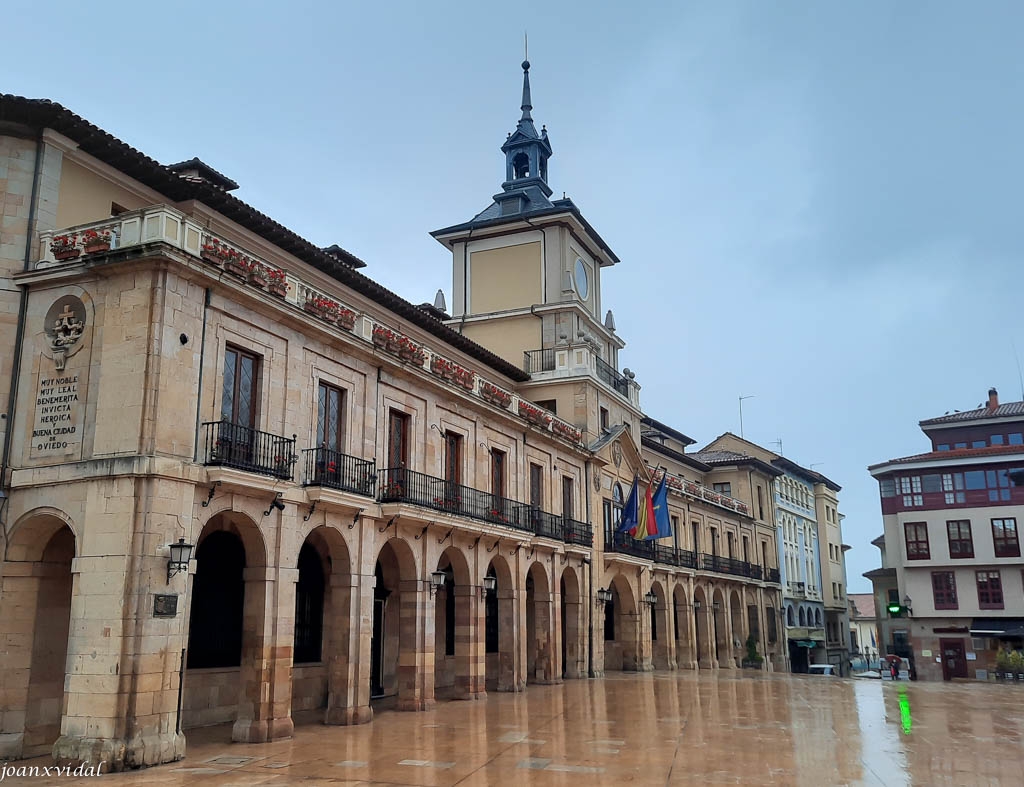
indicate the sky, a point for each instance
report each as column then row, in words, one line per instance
column 815, row 204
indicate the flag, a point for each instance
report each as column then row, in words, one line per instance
column 661, row 518
column 646, row 527
column 630, row 511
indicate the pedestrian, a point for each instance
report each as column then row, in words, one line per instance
column 893, row 671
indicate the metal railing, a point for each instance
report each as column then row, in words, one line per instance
column 336, row 470
column 672, row 556
column 243, row 448
column 774, row 576
column 398, row 485
column 539, row 361
column 728, row 565
column 608, row 373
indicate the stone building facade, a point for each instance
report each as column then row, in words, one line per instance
column 380, row 507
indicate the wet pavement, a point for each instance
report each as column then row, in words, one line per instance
column 656, row 728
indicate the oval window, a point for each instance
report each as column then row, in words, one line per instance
column 582, row 285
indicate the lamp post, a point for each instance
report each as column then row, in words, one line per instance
column 181, row 554
column 603, row 595
column 437, row 579
column 489, row 586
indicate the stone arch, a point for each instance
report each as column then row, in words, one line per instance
column 501, row 628
column 661, row 629
column 572, row 632
column 397, row 646
column 36, row 588
column 738, row 627
column 702, row 630
column 622, row 629
column 456, row 633
column 682, row 623
column 720, row 625
column 540, row 645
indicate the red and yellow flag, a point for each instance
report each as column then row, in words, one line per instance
column 646, row 526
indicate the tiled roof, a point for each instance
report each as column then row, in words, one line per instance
column 956, row 453
column 864, row 603
column 1008, row 410
column 719, row 457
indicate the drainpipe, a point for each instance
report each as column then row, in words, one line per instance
column 19, row 339
column 590, row 583
column 202, row 363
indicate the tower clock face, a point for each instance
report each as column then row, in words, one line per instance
column 580, row 275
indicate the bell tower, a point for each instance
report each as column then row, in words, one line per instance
column 526, row 160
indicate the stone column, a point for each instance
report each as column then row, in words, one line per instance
column 470, row 656
column 575, row 647
column 348, row 668
column 264, row 706
column 415, row 646
column 511, row 645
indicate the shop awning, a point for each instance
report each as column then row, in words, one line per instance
column 997, row 627
column 804, row 643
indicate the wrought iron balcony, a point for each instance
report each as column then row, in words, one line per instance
column 336, row 470
column 539, row 361
column 683, row 558
column 230, row 445
column 398, row 485
column 625, row 544
column 608, row 373
column 728, row 565
column 774, row 576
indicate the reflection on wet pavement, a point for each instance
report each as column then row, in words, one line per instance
column 655, row 728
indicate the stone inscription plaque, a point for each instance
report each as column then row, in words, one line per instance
column 165, row 606
column 57, row 429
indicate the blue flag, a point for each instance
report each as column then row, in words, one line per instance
column 631, row 510
column 661, row 516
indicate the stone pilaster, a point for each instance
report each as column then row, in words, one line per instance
column 348, row 668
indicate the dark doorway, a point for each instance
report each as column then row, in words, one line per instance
column 954, row 659
column 218, row 598
column 380, row 595
column 798, row 658
column 565, row 626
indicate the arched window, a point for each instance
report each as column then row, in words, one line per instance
column 521, row 166
column 617, row 503
column 309, row 607
column 817, row 617
column 218, row 596
column 803, row 617
column 789, row 617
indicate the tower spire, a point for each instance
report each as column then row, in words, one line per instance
column 527, row 101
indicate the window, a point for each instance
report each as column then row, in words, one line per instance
column 329, row 418
column 746, row 550
column 1004, row 537
column 724, row 489
column 548, row 404
column 764, row 554
column 952, row 485
column 714, row 541
column 696, row 536
column 617, row 503
column 942, row 447
column 887, row 487
column 978, row 444
column 959, row 445
column 760, row 503
column 961, row 544
column 491, row 616
column 998, row 483
column 1016, row 438
column 398, row 439
column 974, row 479
column 990, row 590
column 238, row 400
column 944, row 590
column 675, row 530
column 917, row 540
column 729, row 540
column 910, row 488
column 117, row 210
column 893, row 596
column 996, row 439
column 497, row 472
column 568, row 506
column 453, row 457
column 536, row 485
column 604, row 419
column 770, row 619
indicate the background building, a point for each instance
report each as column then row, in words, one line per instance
column 863, row 630
column 951, row 539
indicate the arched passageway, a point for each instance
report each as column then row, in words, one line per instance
column 662, row 651
column 540, row 655
column 573, row 665
column 621, row 628
column 500, row 626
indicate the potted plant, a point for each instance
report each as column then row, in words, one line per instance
column 346, row 319
column 752, row 659
column 237, row 264
column 277, row 283
column 212, row 252
column 64, row 247
column 494, row 394
column 96, row 241
column 259, row 276
column 313, row 305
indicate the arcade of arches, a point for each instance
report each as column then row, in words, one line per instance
column 282, row 618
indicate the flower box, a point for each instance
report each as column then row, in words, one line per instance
column 495, row 395
column 692, row 489
column 564, row 430
column 442, row 367
column 277, row 282
column 96, row 241
column 741, row 507
column 64, row 247
column 534, row 415
column 237, row 266
column 346, row 319
column 313, row 307
column 211, row 253
column 258, row 275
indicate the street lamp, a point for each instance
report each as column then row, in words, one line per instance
column 603, row 595
column 908, row 605
column 181, row 553
column 650, row 598
column 437, row 579
column 489, row 586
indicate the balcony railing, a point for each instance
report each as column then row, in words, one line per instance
column 398, row 485
column 611, row 376
column 230, row 445
column 336, row 470
column 774, row 576
column 728, row 565
column 538, row 361
column 683, row 558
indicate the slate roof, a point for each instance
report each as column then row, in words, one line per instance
column 719, row 457
column 1008, row 410
column 661, row 427
column 864, row 603
column 956, row 453
column 205, row 171
column 42, row 113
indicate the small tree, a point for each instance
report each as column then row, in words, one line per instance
column 753, row 657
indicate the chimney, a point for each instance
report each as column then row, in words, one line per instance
column 993, row 399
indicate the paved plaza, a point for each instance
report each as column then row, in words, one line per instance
column 656, row 728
